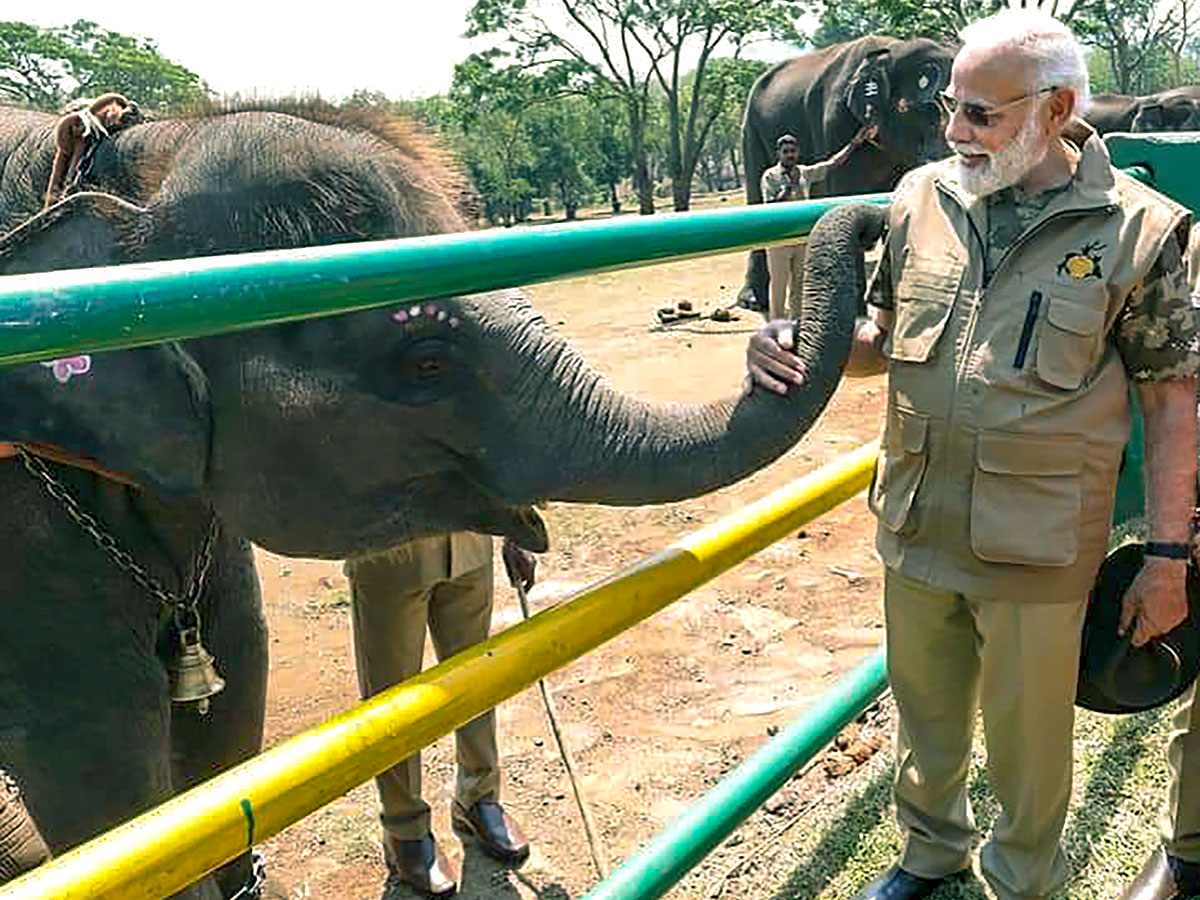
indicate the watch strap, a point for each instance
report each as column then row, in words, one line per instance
column 1168, row 549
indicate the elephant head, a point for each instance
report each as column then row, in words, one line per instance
column 1171, row 113
column 354, row 432
column 895, row 87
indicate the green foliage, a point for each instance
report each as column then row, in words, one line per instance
column 630, row 51
column 45, row 67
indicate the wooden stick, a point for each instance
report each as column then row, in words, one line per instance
column 599, row 857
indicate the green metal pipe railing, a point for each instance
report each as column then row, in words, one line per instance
column 51, row 314
column 655, row 868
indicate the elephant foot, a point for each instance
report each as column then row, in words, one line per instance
column 748, row 299
column 22, row 846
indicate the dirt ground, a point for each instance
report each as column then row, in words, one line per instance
column 657, row 716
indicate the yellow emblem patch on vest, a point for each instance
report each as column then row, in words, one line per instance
column 1083, row 263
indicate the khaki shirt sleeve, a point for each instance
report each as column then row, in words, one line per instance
column 772, row 181
column 1156, row 331
column 818, row 172
column 879, row 289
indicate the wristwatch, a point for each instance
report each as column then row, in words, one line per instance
column 1168, row 549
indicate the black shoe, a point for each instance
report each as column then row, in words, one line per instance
column 896, row 884
column 497, row 833
column 1164, row 877
column 421, row 865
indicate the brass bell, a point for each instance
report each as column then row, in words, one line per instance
column 193, row 677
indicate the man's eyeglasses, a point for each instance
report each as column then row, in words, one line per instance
column 981, row 115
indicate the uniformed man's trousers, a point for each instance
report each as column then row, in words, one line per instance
column 785, row 266
column 1181, row 823
column 389, row 619
column 950, row 655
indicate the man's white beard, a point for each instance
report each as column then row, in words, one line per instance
column 1003, row 168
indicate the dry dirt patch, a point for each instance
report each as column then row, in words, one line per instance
column 657, row 716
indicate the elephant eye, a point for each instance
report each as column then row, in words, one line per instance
column 426, row 362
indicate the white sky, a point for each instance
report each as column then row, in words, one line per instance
column 405, row 48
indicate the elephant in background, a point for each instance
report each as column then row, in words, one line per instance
column 1177, row 109
column 320, row 438
column 823, row 98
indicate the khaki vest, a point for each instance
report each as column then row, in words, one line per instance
column 1008, row 409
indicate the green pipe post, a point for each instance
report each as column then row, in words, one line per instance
column 51, row 314
column 656, row 868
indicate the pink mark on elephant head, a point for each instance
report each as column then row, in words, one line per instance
column 68, row 366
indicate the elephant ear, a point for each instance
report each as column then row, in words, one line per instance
column 869, row 89
column 140, row 414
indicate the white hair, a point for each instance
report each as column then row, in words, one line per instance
column 1041, row 37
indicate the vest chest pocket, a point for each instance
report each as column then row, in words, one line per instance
column 1026, row 499
column 899, row 469
column 924, row 297
column 1071, row 337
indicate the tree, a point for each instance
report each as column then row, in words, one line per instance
column 620, row 48
column 941, row 20
column 728, row 87
column 1139, row 39
column 45, row 67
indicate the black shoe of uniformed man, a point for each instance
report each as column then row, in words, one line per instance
column 421, row 865
column 896, row 884
column 497, row 833
column 1165, row 877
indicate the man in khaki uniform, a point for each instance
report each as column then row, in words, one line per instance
column 1173, row 869
column 444, row 582
column 788, row 180
column 1024, row 284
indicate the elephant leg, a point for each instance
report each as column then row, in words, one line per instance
column 753, row 294
column 235, row 633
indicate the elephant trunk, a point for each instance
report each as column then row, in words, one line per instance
column 21, row 844
column 615, row 449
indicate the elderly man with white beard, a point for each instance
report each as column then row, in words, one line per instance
column 1024, row 284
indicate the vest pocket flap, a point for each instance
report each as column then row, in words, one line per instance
column 1076, row 316
column 900, row 468
column 930, row 278
column 1018, row 454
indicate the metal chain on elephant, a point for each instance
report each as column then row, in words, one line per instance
column 185, row 610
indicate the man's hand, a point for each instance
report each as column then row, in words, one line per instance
column 865, row 134
column 770, row 359
column 1156, row 601
column 519, row 563
column 785, row 193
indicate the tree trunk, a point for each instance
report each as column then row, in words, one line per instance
column 737, row 176
column 641, row 165
column 614, row 199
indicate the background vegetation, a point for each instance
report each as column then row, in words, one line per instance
column 628, row 103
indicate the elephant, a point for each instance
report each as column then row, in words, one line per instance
column 1177, row 109
column 823, row 97
column 321, row 438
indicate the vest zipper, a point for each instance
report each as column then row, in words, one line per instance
column 1106, row 209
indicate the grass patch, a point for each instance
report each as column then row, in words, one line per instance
column 1119, row 792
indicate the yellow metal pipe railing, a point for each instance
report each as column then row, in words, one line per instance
column 164, row 850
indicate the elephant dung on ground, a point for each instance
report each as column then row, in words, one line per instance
column 319, row 438
column 823, row 98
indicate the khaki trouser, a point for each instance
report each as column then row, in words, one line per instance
column 1181, row 824
column 389, row 614
column 949, row 655
column 785, row 266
